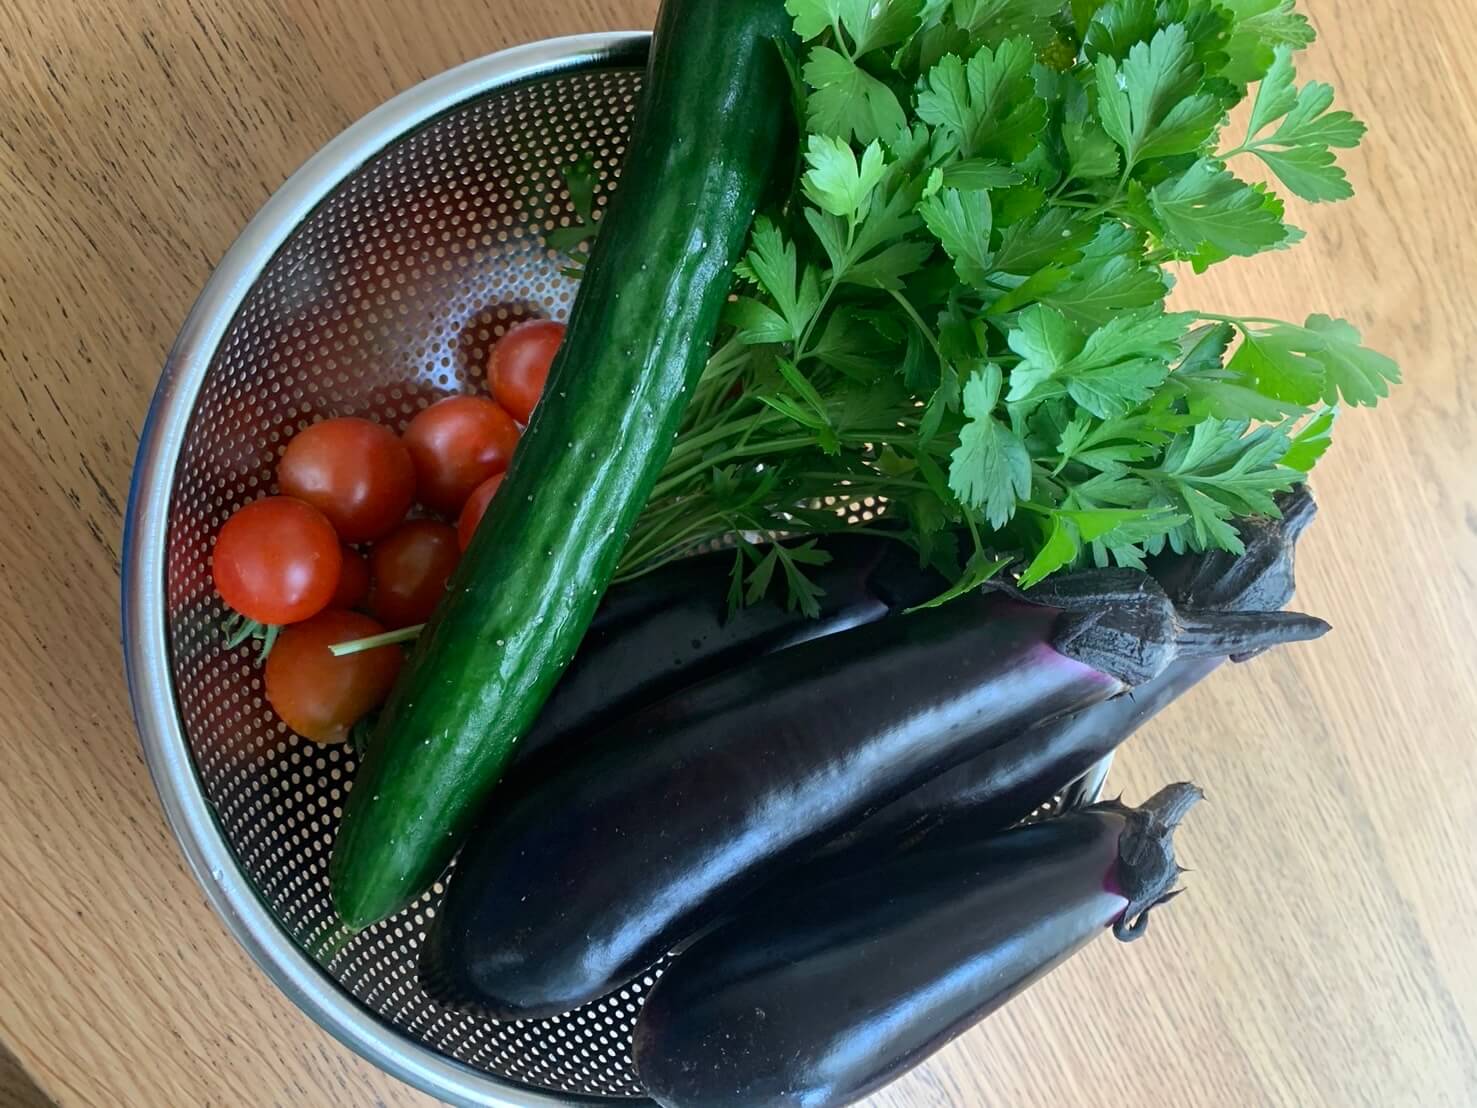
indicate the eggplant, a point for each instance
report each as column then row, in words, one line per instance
column 821, row 996
column 667, row 630
column 1007, row 782
column 680, row 810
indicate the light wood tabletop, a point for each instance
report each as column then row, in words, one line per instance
column 1326, row 953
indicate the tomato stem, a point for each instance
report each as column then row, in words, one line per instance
column 374, row 642
column 238, row 629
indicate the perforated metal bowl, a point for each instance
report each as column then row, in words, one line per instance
column 373, row 283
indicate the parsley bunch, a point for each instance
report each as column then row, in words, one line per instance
column 960, row 308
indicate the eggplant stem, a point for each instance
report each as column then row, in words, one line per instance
column 1298, row 509
column 1205, row 634
column 1147, row 870
column 1171, row 804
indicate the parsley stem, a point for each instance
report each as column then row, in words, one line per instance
column 744, row 449
column 637, row 562
column 696, row 443
column 1248, row 147
column 907, row 306
column 1240, row 321
column 802, row 348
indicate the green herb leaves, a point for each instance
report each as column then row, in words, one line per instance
column 990, row 470
column 868, row 24
column 1108, row 372
column 1150, row 105
column 836, row 181
column 1321, row 360
column 1300, row 148
column 848, row 102
column 962, row 221
column 959, row 318
column 1207, row 214
column 987, row 107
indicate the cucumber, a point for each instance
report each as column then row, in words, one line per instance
column 715, row 117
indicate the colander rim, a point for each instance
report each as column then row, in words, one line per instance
column 145, row 638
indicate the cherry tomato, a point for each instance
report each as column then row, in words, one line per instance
column 277, row 560
column 457, row 444
column 355, row 472
column 319, row 696
column 410, row 568
column 519, row 365
column 475, row 509
column 353, row 582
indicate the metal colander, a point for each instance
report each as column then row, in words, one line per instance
column 373, row 283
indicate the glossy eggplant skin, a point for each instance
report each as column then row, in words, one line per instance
column 663, row 632
column 823, row 994
column 670, row 819
column 1005, row 783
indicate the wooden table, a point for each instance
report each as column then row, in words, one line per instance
column 1326, row 951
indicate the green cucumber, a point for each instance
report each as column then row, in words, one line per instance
column 713, row 122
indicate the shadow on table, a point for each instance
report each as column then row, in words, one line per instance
column 17, row 1090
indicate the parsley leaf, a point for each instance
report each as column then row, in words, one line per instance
column 835, row 181
column 979, row 173
column 871, row 24
column 1260, row 27
column 1090, row 152
column 980, row 571
column 1208, row 213
column 1109, row 278
column 987, row 107
column 1324, row 359
column 992, row 20
column 1117, row 26
column 1300, row 150
column 1240, row 469
column 1056, row 235
column 1059, row 550
column 962, row 222
column 1046, row 342
column 1216, row 392
column 1149, row 105
column 846, row 101
column 771, row 263
column 1108, row 372
column 1312, row 442
column 990, row 470
column 758, row 323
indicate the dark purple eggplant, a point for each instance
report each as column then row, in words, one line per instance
column 674, row 815
column 1010, row 780
column 819, row 997
column 667, row 630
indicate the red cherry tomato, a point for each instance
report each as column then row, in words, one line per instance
column 410, row 568
column 519, row 365
column 353, row 582
column 457, row 444
column 475, row 509
column 355, row 472
column 319, row 696
column 277, row 560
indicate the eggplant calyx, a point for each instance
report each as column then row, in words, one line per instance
column 1118, row 621
column 1122, row 623
column 1261, row 578
column 1147, row 870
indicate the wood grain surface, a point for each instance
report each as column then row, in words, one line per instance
column 1326, row 953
